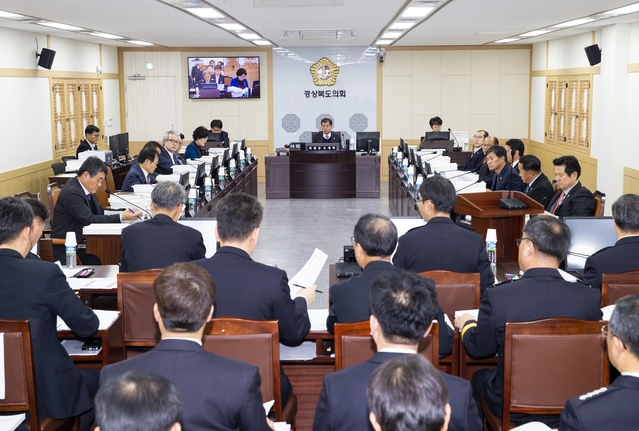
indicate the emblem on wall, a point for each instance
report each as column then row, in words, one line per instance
column 324, row 72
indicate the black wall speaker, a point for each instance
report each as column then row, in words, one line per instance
column 46, row 58
column 594, row 54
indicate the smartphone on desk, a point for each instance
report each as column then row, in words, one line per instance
column 85, row 273
column 92, row 345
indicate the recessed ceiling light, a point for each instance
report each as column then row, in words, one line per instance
column 4, row 14
column 60, row 26
column 417, row 12
column 624, row 10
column 105, row 35
column 391, row 35
column 534, row 33
column 509, row 39
column 232, row 26
column 262, row 42
column 383, row 42
column 204, row 12
column 574, row 22
column 401, row 25
column 139, row 42
column 248, row 36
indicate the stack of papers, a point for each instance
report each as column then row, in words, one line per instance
column 92, row 283
column 318, row 319
column 106, row 318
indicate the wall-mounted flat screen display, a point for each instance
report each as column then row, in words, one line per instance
column 224, row 77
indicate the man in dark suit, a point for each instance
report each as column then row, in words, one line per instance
column 40, row 216
column 142, row 172
column 138, row 398
column 515, row 149
column 218, row 393
column 572, row 199
column 169, row 155
column 374, row 241
column 612, row 407
column 538, row 186
column 38, row 291
column 624, row 255
column 77, row 206
column 485, row 174
column 90, row 141
column 161, row 241
column 249, row 289
column 327, row 136
column 504, row 176
column 475, row 160
column 540, row 293
column 441, row 244
column 216, row 127
column 403, row 305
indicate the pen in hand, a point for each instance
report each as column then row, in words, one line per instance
column 303, row 287
column 133, row 212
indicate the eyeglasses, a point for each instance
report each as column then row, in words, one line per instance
column 519, row 240
column 175, row 141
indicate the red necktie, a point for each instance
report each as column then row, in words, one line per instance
column 559, row 201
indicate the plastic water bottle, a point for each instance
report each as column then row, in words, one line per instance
column 232, row 166
column 70, row 244
column 207, row 188
column 192, row 201
column 491, row 250
column 242, row 160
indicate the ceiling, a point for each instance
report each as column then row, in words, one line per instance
column 458, row 22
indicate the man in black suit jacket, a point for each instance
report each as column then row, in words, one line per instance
column 441, row 244
column 161, row 241
column 540, row 293
column 573, row 199
column 515, row 149
column 218, row 393
column 403, row 305
column 169, row 155
column 475, row 160
column 538, row 186
column 142, row 172
column 90, row 141
column 624, row 255
column 216, row 127
column 77, row 206
column 40, row 216
column 249, row 289
column 374, row 241
column 485, row 174
column 505, row 177
column 327, row 136
column 38, row 291
column 611, row 407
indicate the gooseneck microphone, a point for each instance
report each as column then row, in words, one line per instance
column 454, row 139
column 110, row 193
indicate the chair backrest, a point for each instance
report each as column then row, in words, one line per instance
column 550, row 360
column 65, row 158
column 455, row 290
column 27, row 195
column 108, row 183
column 354, row 344
column 53, row 191
column 135, row 302
column 600, row 203
column 616, row 286
column 252, row 341
column 58, row 168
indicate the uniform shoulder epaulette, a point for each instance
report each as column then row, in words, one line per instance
column 593, row 393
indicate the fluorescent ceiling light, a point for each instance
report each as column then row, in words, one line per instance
column 60, row 26
column 139, row 42
column 105, row 35
column 509, row 39
column 391, row 35
column 262, row 42
column 624, row 10
column 4, row 14
column 248, row 36
column 401, row 25
column 204, row 12
column 417, row 12
column 232, row 26
column 383, row 42
column 574, row 22
column 534, row 33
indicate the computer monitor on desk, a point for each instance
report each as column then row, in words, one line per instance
column 437, row 136
column 587, row 236
column 367, row 142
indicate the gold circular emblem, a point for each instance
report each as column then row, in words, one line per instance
column 324, row 72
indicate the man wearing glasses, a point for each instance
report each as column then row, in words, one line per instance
column 539, row 294
column 474, row 161
column 90, row 141
column 612, row 407
column 169, row 155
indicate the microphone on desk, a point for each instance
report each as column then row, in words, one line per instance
column 434, row 157
column 456, row 176
column 464, row 188
column 454, row 139
column 110, row 193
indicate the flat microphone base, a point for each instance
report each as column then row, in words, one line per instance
column 512, row 204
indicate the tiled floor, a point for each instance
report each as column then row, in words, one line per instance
column 293, row 228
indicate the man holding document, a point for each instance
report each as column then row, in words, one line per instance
column 249, row 289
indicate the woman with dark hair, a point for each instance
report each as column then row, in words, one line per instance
column 193, row 151
column 240, row 82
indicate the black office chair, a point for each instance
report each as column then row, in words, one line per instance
column 58, row 168
column 65, row 158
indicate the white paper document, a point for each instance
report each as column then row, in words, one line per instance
column 106, row 317
column 607, row 311
column 307, row 276
column 74, row 348
column 92, row 283
column 318, row 319
column 474, row 313
column 11, row 422
column 304, row 352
